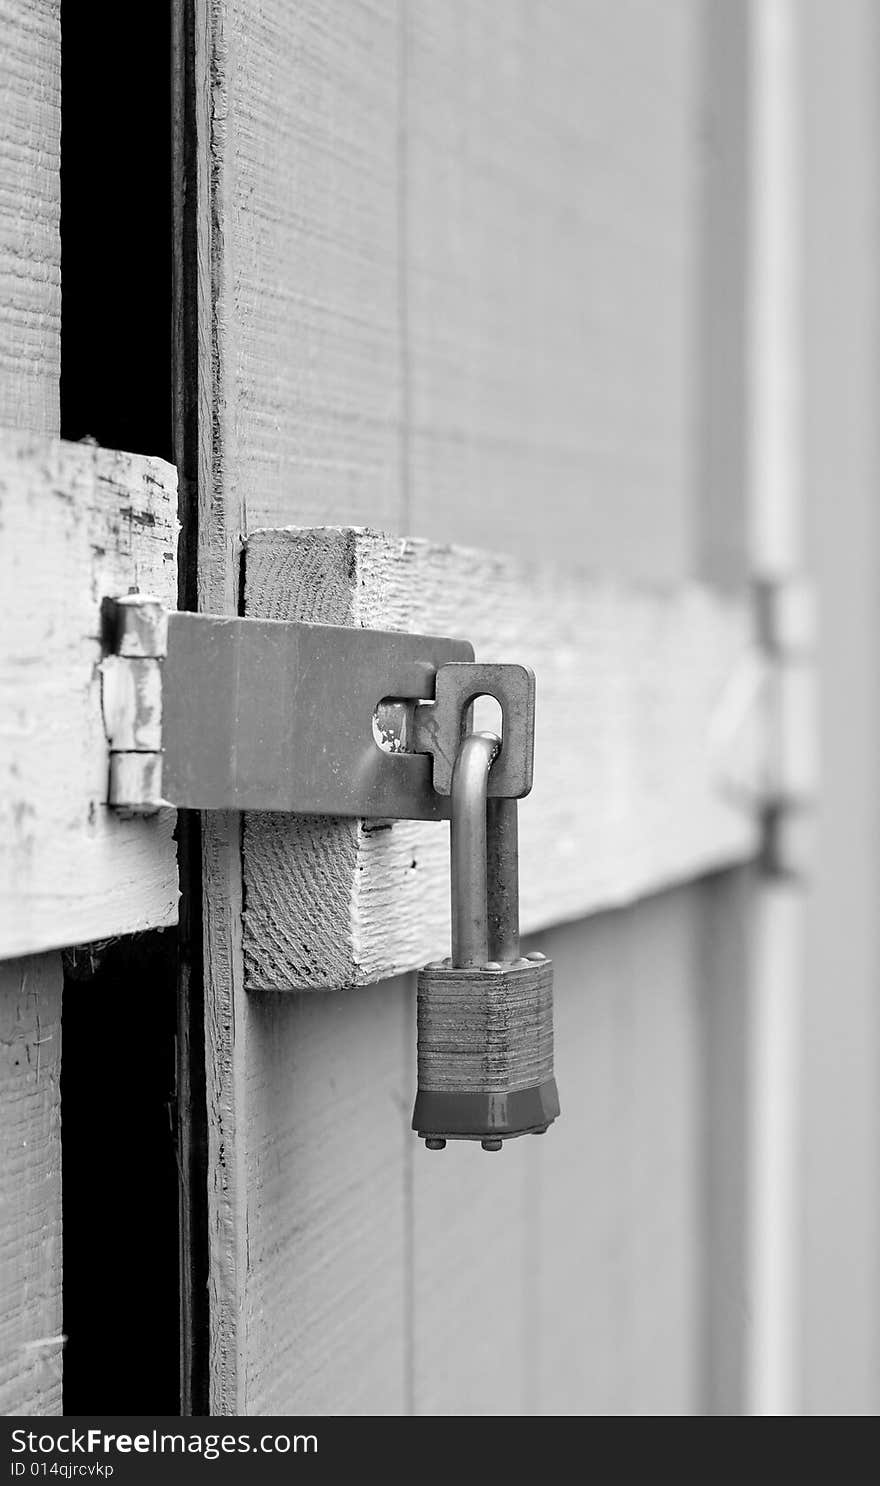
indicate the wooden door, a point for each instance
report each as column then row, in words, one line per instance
column 454, row 265
column 31, row 987
column 465, row 306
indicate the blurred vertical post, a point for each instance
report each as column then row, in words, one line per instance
column 840, row 1186
column 776, row 539
column 814, row 331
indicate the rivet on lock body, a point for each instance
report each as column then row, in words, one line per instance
column 485, row 1016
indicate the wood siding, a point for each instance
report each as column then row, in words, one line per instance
column 30, row 212
column 81, row 523
column 30, row 989
column 634, row 754
column 30, row 1185
column 451, row 286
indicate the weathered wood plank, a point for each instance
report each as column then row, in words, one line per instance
column 551, row 212
column 302, row 248
column 598, row 278
column 471, row 1240
column 78, row 523
column 30, row 211
column 550, row 258
column 299, row 358
column 628, row 794
column 30, row 362
column 30, row 1186
column 578, row 1281
column 328, row 1148
column 607, row 1224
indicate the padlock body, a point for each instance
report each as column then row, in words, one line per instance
column 485, row 1051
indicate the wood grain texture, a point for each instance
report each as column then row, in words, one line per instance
column 304, row 254
column 30, row 214
column 471, row 1256
column 589, row 1285
column 528, row 241
column 550, row 257
column 79, row 523
column 30, row 990
column 553, row 225
column 299, row 402
column 30, row 1186
column 623, row 1267
column 328, row 1145
column 630, row 682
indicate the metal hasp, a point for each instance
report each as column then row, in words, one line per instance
column 485, row 1016
column 212, row 713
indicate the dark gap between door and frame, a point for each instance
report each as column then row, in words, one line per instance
column 132, row 1088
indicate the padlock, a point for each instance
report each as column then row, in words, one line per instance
column 485, row 1016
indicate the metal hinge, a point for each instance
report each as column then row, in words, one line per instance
column 766, row 726
column 786, row 631
column 212, row 713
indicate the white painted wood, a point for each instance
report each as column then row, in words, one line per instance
column 30, row 1186
column 30, row 210
column 79, row 523
column 551, row 263
column 628, row 1062
column 299, row 244
column 328, row 1150
column 628, row 796
column 553, row 305
column 507, row 196
column 472, row 1243
column 567, row 1288
column 297, row 123
column 30, row 989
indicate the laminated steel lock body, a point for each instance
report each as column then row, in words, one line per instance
column 485, row 1016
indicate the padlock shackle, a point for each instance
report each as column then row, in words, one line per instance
column 469, row 892
column 502, row 854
